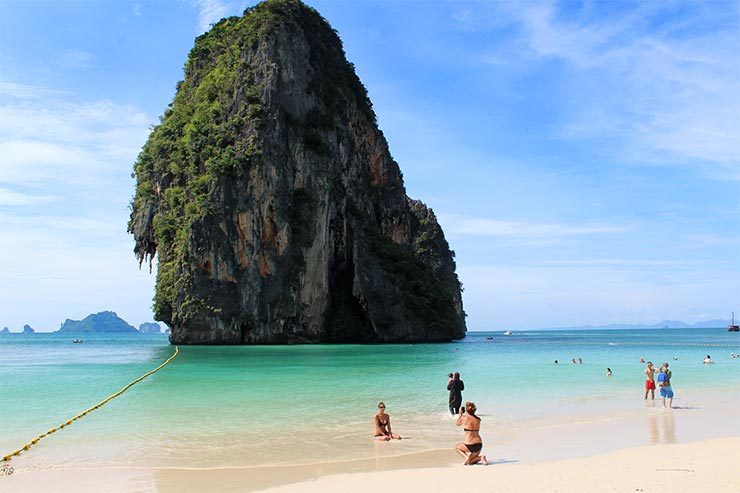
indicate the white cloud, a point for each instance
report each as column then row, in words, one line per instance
column 12, row 197
column 77, row 59
column 48, row 141
column 667, row 76
column 456, row 225
column 25, row 91
column 209, row 12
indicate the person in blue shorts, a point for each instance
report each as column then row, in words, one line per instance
column 664, row 382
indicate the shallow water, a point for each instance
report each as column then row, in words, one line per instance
column 240, row 406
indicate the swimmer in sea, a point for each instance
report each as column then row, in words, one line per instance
column 608, row 372
column 382, row 422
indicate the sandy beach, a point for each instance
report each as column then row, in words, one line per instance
column 709, row 466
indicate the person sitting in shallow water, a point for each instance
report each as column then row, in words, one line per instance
column 473, row 444
column 382, row 423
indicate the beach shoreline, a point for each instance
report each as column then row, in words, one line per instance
column 255, row 418
column 704, row 424
column 687, row 467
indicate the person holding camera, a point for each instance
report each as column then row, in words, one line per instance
column 473, row 444
column 455, row 386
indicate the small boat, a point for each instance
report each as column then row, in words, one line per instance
column 732, row 327
column 507, row 332
column 76, row 341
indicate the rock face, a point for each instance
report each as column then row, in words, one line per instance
column 27, row 329
column 103, row 322
column 274, row 206
column 150, row 328
column 5, row 331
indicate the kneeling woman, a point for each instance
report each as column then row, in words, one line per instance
column 382, row 423
column 473, row 444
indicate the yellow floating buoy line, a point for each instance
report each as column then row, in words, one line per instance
column 24, row 448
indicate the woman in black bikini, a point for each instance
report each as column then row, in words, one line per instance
column 382, row 423
column 471, row 447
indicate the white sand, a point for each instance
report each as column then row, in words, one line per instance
column 710, row 466
column 701, row 467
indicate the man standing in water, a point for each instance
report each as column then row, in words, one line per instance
column 650, row 380
column 664, row 380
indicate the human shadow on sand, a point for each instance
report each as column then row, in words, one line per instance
column 495, row 462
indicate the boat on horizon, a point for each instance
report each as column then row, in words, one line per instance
column 732, row 327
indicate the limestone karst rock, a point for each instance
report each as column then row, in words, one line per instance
column 150, row 328
column 273, row 205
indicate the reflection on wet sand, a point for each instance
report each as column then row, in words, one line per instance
column 661, row 426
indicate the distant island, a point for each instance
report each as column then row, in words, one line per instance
column 103, row 322
column 665, row 324
column 106, row 322
column 150, row 328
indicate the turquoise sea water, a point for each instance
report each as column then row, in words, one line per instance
column 240, row 406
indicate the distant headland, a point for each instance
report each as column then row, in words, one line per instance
column 105, row 322
column 665, row 324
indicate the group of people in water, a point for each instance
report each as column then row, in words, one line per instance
column 573, row 361
column 472, row 445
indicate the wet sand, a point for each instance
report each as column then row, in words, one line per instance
column 633, row 446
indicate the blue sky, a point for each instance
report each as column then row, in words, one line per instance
column 582, row 157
